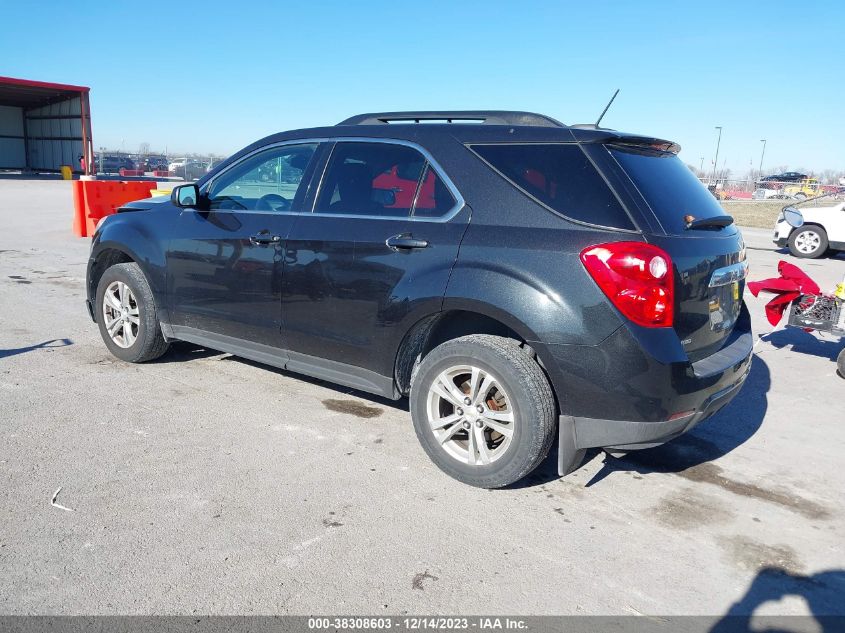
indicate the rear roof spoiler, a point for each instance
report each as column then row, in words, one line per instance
column 485, row 117
column 647, row 142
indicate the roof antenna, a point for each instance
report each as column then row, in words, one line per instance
column 607, row 107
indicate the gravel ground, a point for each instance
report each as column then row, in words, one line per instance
column 206, row 484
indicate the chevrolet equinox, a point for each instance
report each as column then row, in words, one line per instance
column 516, row 278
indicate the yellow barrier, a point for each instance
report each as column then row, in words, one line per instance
column 161, row 192
column 67, row 172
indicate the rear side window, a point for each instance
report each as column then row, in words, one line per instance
column 561, row 177
column 670, row 188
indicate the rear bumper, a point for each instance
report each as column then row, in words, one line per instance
column 630, row 435
column 637, row 390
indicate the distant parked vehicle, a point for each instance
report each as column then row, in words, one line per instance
column 153, row 163
column 177, row 164
column 806, row 188
column 113, row 164
column 764, row 193
column 788, row 176
column 189, row 168
column 823, row 230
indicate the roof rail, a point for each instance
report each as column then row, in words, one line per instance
column 487, row 117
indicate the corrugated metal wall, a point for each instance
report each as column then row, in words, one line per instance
column 55, row 135
column 11, row 138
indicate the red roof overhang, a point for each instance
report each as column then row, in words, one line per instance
column 30, row 94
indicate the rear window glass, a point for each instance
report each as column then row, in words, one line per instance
column 561, row 177
column 670, row 188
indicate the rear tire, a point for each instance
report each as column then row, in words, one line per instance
column 840, row 363
column 483, row 410
column 808, row 242
column 126, row 315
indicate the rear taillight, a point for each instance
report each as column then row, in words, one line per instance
column 636, row 277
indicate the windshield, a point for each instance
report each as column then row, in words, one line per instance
column 670, row 188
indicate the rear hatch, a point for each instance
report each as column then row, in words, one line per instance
column 705, row 246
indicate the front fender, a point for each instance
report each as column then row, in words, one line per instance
column 134, row 236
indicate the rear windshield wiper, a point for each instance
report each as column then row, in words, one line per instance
column 716, row 222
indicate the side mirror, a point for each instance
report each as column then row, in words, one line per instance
column 185, row 196
column 793, row 217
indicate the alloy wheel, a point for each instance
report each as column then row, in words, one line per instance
column 470, row 415
column 120, row 314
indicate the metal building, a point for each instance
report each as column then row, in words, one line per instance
column 44, row 126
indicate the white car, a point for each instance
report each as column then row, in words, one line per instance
column 823, row 230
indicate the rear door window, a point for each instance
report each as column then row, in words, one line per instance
column 668, row 186
column 561, row 177
column 371, row 179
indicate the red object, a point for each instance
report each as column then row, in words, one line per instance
column 405, row 188
column 95, row 199
column 636, row 277
column 736, row 194
column 792, row 283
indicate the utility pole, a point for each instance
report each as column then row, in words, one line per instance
column 763, row 153
column 716, row 161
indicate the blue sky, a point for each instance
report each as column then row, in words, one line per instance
column 214, row 76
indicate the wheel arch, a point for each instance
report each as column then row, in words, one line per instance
column 817, row 224
column 109, row 253
column 459, row 318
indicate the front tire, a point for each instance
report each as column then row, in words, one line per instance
column 483, row 410
column 126, row 315
column 808, row 242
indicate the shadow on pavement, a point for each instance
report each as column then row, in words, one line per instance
column 806, row 343
column 61, row 342
column 181, row 352
column 823, row 593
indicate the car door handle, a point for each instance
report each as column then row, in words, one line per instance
column 265, row 238
column 404, row 241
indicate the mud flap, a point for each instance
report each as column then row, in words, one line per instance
column 569, row 456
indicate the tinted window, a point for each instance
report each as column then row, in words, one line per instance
column 268, row 181
column 669, row 187
column 371, row 179
column 433, row 198
column 561, row 177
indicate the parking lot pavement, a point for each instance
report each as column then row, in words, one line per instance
column 206, row 484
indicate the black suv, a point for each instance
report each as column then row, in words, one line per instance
column 510, row 274
column 112, row 164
